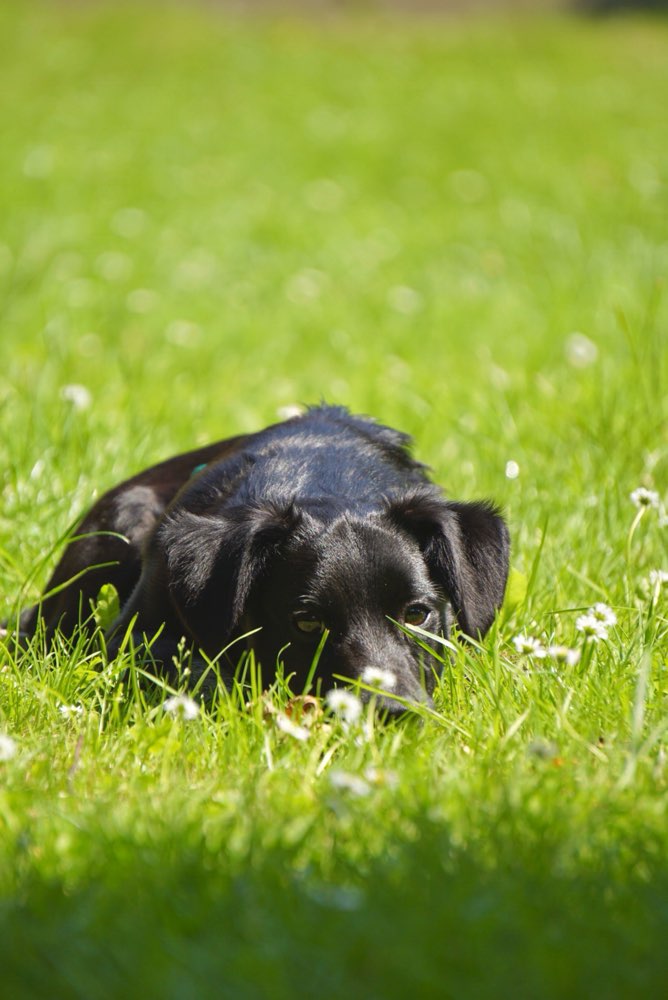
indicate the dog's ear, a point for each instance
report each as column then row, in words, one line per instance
column 213, row 561
column 466, row 550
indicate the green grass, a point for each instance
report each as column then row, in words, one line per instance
column 205, row 219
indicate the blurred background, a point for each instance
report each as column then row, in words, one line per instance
column 458, row 7
column 449, row 215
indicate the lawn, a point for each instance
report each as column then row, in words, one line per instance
column 460, row 227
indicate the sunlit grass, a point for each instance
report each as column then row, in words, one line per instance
column 458, row 227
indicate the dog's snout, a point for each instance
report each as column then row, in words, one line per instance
column 391, row 683
column 394, row 693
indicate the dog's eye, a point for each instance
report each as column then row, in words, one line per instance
column 308, row 624
column 416, row 614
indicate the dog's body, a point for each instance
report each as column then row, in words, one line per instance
column 322, row 522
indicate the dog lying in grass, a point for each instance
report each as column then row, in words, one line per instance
column 321, row 532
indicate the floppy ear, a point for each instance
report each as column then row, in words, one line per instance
column 466, row 550
column 213, row 562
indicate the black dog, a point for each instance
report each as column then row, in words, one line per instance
column 323, row 522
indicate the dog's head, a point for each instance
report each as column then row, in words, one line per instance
column 299, row 569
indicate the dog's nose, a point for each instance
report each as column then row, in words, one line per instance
column 391, row 690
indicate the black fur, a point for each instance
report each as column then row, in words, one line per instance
column 325, row 518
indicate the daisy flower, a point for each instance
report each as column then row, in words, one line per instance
column 67, row 711
column 347, row 782
column 602, row 613
column 379, row 776
column 78, row 395
column 286, row 725
column 528, row 645
column 378, row 678
column 591, row 627
column 564, row 654
column 642, row 497
column 344, row 704
column 182, row 707
column 7, row 747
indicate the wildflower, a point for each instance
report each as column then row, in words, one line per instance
column 512, row 469
column 67, row 711
column 7, row 747
column 344, row 704
column 657, row 577
column 642, row 497
column 591, row 627
column 182, row 707
column 78, row 395
column 564, row 654
column 528, row 645
column 286, row 725
column 289, row 411
column 580, row 350
column 345, row 781
column 602, row 613
column 380, row 776
column 379, row 678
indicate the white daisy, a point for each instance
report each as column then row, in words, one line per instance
column 344, row 704
column 602, row 613
column 657, row 577
column 380, row 776
column 182, row 707
column 78, row 395
column 7, row 747
column 286, row 725
column 528, row 645
column 378, row 678
column 289, row 411
column 580, row 350
column 564, row 654
column 347, row 782
column 591, row 627
column 642, row 497
column 67, row 711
